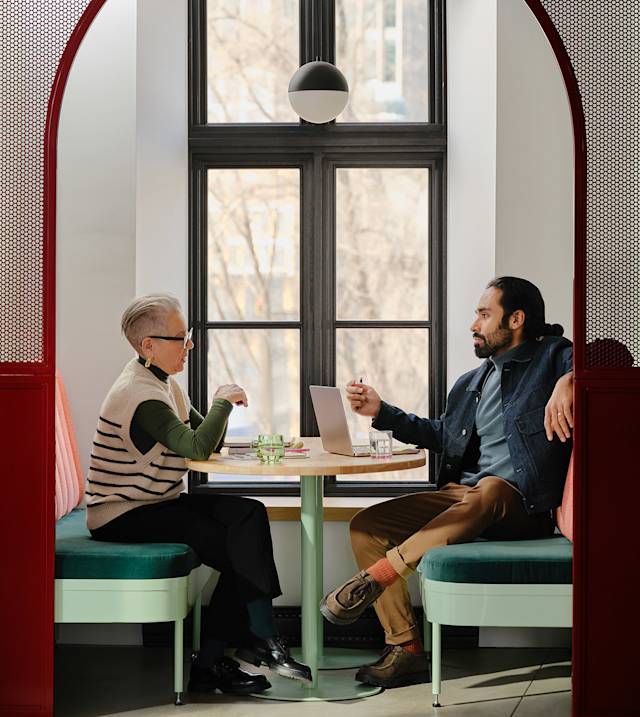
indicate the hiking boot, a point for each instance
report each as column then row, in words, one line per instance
column 396, row 668
column 345, row 604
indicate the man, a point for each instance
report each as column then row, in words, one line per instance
column 501, row 472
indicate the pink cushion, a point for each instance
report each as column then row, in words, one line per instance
column 564, row 514
column 72, row 442
column 69, row 480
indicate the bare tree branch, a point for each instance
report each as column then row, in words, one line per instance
column 239, row 68
column 271, row 43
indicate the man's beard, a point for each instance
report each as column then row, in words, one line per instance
column 496, row 341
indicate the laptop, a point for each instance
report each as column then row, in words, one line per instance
column 332, row 422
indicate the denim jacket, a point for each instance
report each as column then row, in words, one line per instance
column 528, row 379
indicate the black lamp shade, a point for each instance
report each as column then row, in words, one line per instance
column 318, row 92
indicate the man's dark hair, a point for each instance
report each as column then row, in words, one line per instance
column 522, row 294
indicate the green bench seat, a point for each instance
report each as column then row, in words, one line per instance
column 487, row 583
column 78, row 556
column 102, row 582
column 544, row 561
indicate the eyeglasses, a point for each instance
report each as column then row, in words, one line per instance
column 185, row 339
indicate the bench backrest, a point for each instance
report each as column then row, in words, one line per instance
column 564, row 514
column 69, row 478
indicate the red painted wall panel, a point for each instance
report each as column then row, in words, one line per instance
column 26, row 536
column 607, row 486
column 48, row 34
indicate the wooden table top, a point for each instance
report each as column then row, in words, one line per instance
column 319, row 463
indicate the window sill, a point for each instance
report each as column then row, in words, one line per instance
column 335, row 509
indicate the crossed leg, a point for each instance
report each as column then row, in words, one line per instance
column 404, row 529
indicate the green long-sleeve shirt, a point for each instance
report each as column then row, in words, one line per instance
column 156, row 422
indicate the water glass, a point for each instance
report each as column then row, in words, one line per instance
column 380, row 444
column 272, row 448
column 257, row 443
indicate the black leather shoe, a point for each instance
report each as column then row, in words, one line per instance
column 225, row 675
column 274, row 653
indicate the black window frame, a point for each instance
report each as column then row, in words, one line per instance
column 317, row 150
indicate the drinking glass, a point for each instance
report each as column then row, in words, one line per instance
column 258, row 443
column 272, row 448
column 380, row 444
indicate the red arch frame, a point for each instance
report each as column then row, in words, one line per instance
column 579, row 310
column 580, row 172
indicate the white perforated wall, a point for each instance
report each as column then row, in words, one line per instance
column 602, row 38
column 33, row 36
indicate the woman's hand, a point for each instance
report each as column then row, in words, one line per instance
column 232, row 393
column 364, row 399
column 558, row 413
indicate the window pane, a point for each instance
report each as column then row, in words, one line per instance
column 252, row 52
column 266, row 363
column 382, row 47
column 396, row 363
column 382, row 236
column 254, row 244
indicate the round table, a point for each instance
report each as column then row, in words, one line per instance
column 326, row 685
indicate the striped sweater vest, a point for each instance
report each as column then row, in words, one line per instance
column 120, row 477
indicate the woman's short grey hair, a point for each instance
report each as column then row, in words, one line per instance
column 146, row 316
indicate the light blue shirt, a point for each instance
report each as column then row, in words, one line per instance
column 495, row 459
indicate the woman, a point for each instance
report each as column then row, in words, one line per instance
column 135, row 493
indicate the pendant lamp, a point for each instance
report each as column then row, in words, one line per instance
column 318, row 92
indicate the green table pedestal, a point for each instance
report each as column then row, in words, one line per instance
column 341, row 658
column 328, row 686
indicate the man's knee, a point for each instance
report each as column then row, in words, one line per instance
column 363, row 522
column 359, row 523
column 494, row 488
column 363, row 530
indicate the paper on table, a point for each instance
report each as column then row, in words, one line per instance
column 296, row 453
column 245, row 442
column 251, row 456
column 237, row 443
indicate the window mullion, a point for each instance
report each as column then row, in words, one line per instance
column 329, row 280
column 329, row 266
column 197, row 62
column 197, row 295
column 437, row 303
column 198, row 291
column 438, row 74
column 328, row 31
column 317, row 30
column 310, row 267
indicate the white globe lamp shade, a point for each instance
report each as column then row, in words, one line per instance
column 318, row 92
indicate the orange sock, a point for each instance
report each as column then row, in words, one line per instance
column 413, row 646
column 383, row 573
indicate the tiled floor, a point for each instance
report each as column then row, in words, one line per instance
column 485, row 682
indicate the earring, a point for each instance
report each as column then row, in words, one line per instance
column 147, row 363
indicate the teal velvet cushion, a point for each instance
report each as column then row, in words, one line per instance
column 78, row 556
column 543, row 561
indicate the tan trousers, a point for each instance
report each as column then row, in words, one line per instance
column 403, row 529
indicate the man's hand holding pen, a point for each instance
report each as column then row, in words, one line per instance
column 364, row 399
